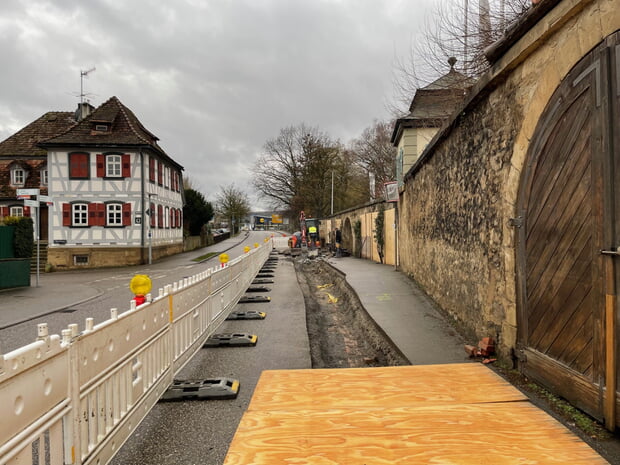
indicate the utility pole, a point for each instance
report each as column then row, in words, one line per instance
column 150, row 194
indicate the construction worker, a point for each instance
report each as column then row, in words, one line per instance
column 338, row 243
column 312, row 231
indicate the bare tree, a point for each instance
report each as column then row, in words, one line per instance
column 375, row 154
column 296, row 168
column 462, row 29
column 233, row 204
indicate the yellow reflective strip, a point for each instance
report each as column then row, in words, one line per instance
column 235, row 386
column 170, row 308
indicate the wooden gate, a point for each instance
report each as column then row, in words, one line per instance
column 568, row 207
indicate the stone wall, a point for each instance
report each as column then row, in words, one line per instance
column 62, row 258
column 364, row 245
column 456, row 234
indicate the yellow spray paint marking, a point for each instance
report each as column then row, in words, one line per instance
column 324, row 286
column 140, row 284
column 332, row 299
column 384, row 297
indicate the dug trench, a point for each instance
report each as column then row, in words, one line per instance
column 340, row 331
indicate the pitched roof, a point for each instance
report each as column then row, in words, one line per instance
column 25, row 142
column 124, row 130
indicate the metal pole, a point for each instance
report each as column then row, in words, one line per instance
column 36, row 209
column 332, row 209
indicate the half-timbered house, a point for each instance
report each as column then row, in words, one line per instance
column 23, row 164
column 118, row 197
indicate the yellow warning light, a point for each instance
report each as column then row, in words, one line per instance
column 140, row 284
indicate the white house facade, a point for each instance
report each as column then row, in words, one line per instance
column 117, row 196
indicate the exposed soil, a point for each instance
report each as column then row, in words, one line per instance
column 342, row 335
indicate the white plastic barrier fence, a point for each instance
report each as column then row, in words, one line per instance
column 76, row 399
column 280, row 242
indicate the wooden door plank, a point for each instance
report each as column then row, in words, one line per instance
column 558, row 159
column 556, row 240
column 571, row 199
column 574, row 248
column 574, row 293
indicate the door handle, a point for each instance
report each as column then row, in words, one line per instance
column 611, row 252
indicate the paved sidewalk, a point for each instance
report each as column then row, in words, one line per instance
column 403, row 311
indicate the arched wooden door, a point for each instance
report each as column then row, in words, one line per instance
column 569, row 207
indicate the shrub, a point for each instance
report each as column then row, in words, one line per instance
column 23, row 240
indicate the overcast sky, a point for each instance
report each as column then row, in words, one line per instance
column 213, row 79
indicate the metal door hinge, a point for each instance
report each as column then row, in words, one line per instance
column 516, row 222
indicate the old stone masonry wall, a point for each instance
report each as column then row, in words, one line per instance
column 452, row 215
column 458, row 209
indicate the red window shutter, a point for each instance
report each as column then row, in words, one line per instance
column 4, row 211
column 92, row 214
column 100, row 165
column 151, row 169
column 101, row 219
column 126, row 165
column 126, row 214
column 152, row 215
column 178, row 218
column 160, row 173
column 160, row 216
column 66, row 214
column 174, row 181
column 78, row 165
column 26, row 211
column 172, row 217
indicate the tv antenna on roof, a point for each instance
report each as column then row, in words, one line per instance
column 84, row 74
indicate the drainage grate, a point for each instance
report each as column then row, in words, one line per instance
column 250, row 315
column 251, row 299
column 218, row 388
column 231, row 340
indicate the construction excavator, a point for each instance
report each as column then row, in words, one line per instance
column 308, row 237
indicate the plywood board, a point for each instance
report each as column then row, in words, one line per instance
column 497, row 433
column 383, row 387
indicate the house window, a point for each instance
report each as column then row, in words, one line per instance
column 17, row 211
column 80, row 260
column 78, row 166
column 113, row 166
column 18, row 176
column 152, row 176
column 44, row 176
column 79, row 213
column 114, row 214
column 101, row 127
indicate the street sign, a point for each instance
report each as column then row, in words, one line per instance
column 27, row 192
column 31, row 203
column 45, row 198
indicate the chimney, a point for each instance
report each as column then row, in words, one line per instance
column 83, row 110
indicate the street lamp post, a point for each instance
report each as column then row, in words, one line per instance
column 150, row 229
